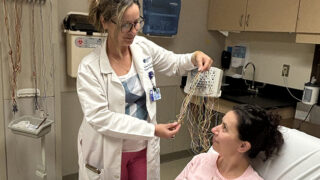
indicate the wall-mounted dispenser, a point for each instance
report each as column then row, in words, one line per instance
column 161, row 17
column 311, row 92
column 81, row 39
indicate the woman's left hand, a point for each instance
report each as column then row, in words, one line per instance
column 201, row 60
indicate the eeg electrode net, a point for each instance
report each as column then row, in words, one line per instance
column 197, row 107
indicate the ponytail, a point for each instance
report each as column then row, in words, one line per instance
column 94, row 14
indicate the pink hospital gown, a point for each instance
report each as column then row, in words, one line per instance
column 204, row 167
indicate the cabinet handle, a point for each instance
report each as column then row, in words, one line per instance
column 247, row 20
column 241, row 19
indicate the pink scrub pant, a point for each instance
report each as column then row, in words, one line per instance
column 134, row 165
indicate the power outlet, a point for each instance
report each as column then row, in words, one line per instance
column 285, row 70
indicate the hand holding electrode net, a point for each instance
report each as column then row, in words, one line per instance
column 201, row 60
column 167, row 130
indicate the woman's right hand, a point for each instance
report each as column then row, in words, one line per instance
column 167, row 130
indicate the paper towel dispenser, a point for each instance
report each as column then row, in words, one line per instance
column 161, row 17
column 81, row 39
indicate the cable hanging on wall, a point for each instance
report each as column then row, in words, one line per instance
column 43, row 69
column 41, row 54
column 13, row 26
column 34, row 59
column 14, row 53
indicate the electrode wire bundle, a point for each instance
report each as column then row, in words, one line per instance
column 197, row 112
column 199, row 121
column 43, row 69
column 15, row 57
column 187, row 99
column 13, row 12
column 34, row 59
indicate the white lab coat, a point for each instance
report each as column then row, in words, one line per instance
column 102, row 98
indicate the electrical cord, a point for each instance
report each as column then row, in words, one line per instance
column 286, row 85
column 305, row 119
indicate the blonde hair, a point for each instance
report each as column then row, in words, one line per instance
column 108, row 9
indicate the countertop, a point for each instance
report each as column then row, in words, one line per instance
column 264, row 102
column 267, row 96
column 307, row 127
column 223, row 106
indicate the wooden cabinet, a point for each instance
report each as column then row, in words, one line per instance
column 272, row 15
column 253, row 15
column 308, row 23
column 227, row 15
column 308, row 18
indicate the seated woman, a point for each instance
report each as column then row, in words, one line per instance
column 244, row 132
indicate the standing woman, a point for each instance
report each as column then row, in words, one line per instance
column 119, row 135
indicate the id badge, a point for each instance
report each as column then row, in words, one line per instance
column 155, row 94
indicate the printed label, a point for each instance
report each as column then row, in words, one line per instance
column 88, row 42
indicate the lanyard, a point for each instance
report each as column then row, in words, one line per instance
column 154, row 92
column 151, row 76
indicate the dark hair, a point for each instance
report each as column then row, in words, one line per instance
column 260, row 128
column 108, row 9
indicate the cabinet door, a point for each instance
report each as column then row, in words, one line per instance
column 226, row 15
column 309, row 14
column 272, row 15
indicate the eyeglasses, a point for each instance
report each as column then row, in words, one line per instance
column 127, row 27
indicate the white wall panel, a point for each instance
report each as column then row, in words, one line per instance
column 269, row 51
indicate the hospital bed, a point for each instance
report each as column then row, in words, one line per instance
column 299, row 158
